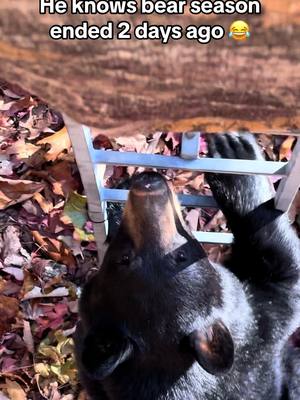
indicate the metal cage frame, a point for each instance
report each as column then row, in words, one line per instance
column 92, row 163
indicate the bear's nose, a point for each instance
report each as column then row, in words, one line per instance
column 149, row 182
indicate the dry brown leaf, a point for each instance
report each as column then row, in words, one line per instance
column 64, row 179
column 36, row 293
column 37, row 158
column 3, row 396
column 31, row 208
column 9, row 308
column 28, row 283
column 11, row 241
column 55, row 249
column 15, row 390
column 46, row 205
column 182, row 178
column 22, row 150
column 153, row 145
column 266, row 143
column 6, row 167
column 214, row 252
column 133, row 143
column 192, row 219
column 197, row 182
column 59, row 142
column 13, row 252
column 286, row 148
column 27, row 337
column 17, row 273
column 58, row 188
column 217, row 220
column 17, row 191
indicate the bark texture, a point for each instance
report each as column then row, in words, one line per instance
column 125, row 87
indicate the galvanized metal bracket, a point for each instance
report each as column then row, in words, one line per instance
column 92, row 180
column 290, row 184
column 190, row 145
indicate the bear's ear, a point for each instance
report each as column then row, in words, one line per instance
column 103, row 351
column 213, row 348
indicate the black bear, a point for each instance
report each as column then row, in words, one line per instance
column 291, row 368
column 159, row 321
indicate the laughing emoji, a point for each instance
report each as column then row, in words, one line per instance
column 239, row 30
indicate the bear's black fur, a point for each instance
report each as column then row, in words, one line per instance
column 160, row 322
column 291, row 368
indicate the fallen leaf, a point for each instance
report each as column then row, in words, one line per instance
column 3, row 397
column 27, row 337
column 53, row 318
column 6, row 168
column 9, row 308
column 47, row 269
column 15, row 390
column 38, row 158
column 196, row 183
column 46, row 205
column 17, row 106
column 267, row 144
column 9, row 288
column 76, row 211
column 173, row 140
column 22, row 150
column 67, row 397
column 66, row 178
column 59, row 142
column 11, row 94
column 192, row 219
column 15, row 272
column 102, row 142
column 65, row 372
column 217, row 220
column 13, row 253
column 131, row 143
column 50, row 352
column 36, row 292
column 72, row 244
column 55, row 249
column 42, row 369
column 286, row 148
column 17, row 191
column 32, row 208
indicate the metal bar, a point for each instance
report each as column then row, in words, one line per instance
column 190, row 145
column 91, row 169
column 214, row 237
column 120, row 196
column 295, row 132
column 289, row 185
column 248, row 167
column 91, row 178
column 99, row 175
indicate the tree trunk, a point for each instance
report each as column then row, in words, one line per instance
column 140, row 86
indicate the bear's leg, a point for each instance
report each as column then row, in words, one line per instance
column 237, row 194
column 266, row 249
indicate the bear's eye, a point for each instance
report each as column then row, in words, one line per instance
column 181, row 256
column 125, row 259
